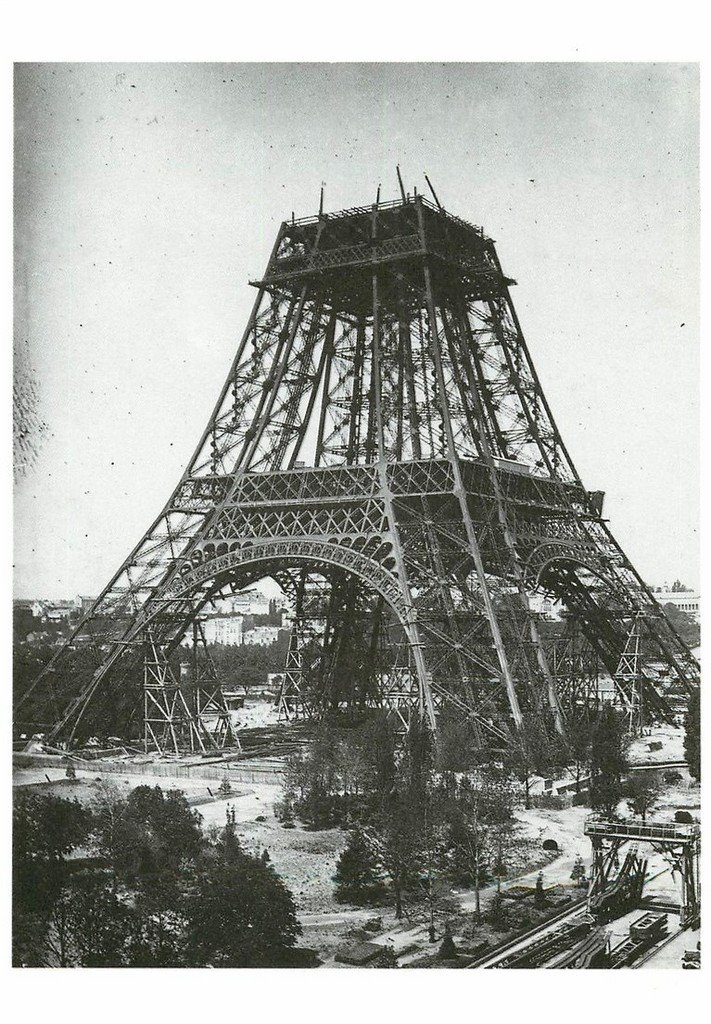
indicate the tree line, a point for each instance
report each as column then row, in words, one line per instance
column 135, row 882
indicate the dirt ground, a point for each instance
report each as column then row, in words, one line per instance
column 671, row 738
column 306, row 860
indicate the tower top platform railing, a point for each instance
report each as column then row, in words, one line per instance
column 656, row 831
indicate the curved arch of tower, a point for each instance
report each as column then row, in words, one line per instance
column 382, row 447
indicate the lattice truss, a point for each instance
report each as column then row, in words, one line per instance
column 382, row 441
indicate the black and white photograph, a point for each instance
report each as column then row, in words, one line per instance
column 356, row 578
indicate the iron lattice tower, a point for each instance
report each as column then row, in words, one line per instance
column 382, row 448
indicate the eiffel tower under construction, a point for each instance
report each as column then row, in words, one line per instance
column 381, row 448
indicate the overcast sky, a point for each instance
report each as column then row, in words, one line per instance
column 147, row 196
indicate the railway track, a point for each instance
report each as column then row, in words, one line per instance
column 646, row 935
column 491, row 958
column 567, row 940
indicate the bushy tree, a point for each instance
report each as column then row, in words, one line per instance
column 578, row 872
column 578, row 743
column 378, row 751
column 608, row 763
column 97, row 921
column 358, row 879
column 239, row 913
column 148, row 834
column 248, row 665
column 642, row 792
column 457, row 750
column 158, row 922
column 396, row 837
column 530, row 753
column 685, row 625
column 417, row 766
column 497, row 914
column 342, row 774
column 45, row 829
column 165, row 897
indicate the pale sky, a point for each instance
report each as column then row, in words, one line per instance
column 148, row 195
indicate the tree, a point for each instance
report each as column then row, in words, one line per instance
column 45, row 829
column 396, row 838
column 692, row 735
column 239, row 913
column 457, row 750
column 296, row 775
column 578, row 743
column 146, row 835
column 353, row 763
column 578, row 872
column 530, row 754
column 436, row 889
column 497, row 911
column 249, row 665
column 158, row 922
column 166, row 897
column 388, row 958
column 417, row 766
column 344, row 774
column 608, row 762
column 641, row 792
column 379, row 751
column 501, row 838
column 97, row 924
column 470, row 841
column 685, row 625
column 357, row 874
column 316, row 774
column 447, row 949
column 497, row 794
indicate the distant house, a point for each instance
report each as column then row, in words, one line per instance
column 224, row 629
column 31, row 605
column 261, row 635
column 59, row 612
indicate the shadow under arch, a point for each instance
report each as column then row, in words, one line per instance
column 544, row 562
column 316, row 555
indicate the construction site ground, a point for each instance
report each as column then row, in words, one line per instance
column 306, row 859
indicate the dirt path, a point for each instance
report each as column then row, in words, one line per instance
column 565, row 827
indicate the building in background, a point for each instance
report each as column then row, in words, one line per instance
column 60, row 611
column 224, row 629
column 261, row 635
column 247, row 602
column 547, row 607
column 688, row 601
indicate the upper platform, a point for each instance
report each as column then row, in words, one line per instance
column 653, row 831
column 337, row 254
